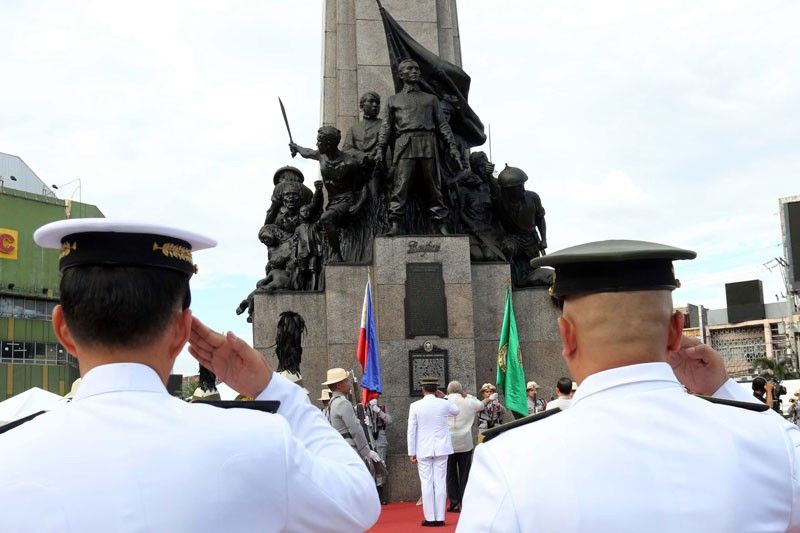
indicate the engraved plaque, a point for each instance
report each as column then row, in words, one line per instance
column 425, row 302
column 428, row 361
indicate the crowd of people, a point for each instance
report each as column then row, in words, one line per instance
column 631, row 450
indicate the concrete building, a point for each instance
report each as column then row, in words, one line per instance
column 30, row 355
column 776, row 336
column 748, row 328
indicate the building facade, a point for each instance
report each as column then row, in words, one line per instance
column 776, row 336
column 30, row 355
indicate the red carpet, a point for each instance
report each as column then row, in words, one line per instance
column 403, row 517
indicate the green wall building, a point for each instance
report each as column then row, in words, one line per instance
column 30, row 355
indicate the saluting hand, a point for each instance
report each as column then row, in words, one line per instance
column 698, row 366
column 234, row 361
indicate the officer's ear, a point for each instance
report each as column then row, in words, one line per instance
column 569, row 339
column 61, row 330
column 180, row 328
column 675, row 331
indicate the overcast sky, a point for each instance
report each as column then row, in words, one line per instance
column 669, row 121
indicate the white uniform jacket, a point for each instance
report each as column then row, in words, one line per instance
column 126, row 456
column 636, row 453
column 428, row 432
column 561, row 403
column 461, row 424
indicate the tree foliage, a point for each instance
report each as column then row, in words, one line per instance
column 778, row 369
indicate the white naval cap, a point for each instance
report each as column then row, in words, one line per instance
column 103, row 241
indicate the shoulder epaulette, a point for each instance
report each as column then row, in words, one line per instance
column 17, row 423
column 269, row 406
column 758, row 407
column 489, row 434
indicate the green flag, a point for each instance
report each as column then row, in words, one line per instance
column 510, row 374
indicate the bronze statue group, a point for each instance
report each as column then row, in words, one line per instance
column 408, row 173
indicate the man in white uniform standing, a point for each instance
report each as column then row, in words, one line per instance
column 635, row 451
column 126, row 456
column 429, row 445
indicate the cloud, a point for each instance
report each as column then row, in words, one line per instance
column 665, row 121
column 613, row 194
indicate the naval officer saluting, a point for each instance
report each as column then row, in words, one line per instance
column 429, row 446
column 635, row 452
column 124, row 455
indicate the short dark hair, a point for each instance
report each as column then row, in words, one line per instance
column 759, row 383
column 366, row 95
column 430, row 388
column 122, row 306
column 564, row 385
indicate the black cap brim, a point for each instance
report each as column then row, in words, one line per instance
column 613, row 266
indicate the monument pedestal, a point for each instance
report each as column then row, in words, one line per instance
column 474, row 297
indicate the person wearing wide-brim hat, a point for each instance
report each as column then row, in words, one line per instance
column 535, row 404
column 340, row 413
column 493, row 410
column 429, row 445
column 324, row 397
column 684, row 459
column 131, row 457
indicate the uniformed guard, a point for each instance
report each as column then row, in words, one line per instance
column 377, row 418
column 635, row 452
column 124, row 455
column 535, row 404
column 324, row 398
column 341, row 416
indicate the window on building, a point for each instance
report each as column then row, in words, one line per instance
column 35, row 353
column 6, row 306
column 26, row 308
column 30, row 308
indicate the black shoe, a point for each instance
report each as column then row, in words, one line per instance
column 428, row 523
column 439, row 523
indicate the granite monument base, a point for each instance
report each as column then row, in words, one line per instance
column 474, row 297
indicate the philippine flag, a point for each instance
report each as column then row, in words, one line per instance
column 367, row 353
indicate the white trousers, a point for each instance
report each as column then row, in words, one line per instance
column 433, row 480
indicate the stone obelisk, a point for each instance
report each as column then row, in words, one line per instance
column 355, row 57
